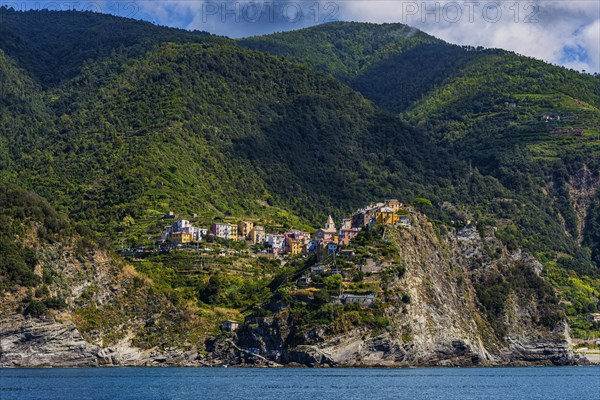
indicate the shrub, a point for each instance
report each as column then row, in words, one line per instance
column 35, row 308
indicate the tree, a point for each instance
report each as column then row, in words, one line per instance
column 422, row 203
column 333, row 282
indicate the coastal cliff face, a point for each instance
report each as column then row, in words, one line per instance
column 461, row 299
column 108, row 314
column 153, row 120
column 449, row 280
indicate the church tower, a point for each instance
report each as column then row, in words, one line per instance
column 330, row 225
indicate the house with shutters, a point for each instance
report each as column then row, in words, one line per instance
column 386, row 216
column 275, row 242
column 244, row 230
column 224, row 230
column 257, row 234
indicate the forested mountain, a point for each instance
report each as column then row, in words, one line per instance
column 531, row 125
column 116, row 121
column 219, row 129
column 23, row 113
column 343, row 49
column 132, row 121
column 391, row 64
column 54, row 46
column 397, row 66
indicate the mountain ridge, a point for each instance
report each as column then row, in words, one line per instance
column 203, row 126
column 484, row 105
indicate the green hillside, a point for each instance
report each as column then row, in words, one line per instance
column 138, row 120
column 23, row 114
column 54, row 46
column 138, row 127
column 343, row 49
column 532, row 126
column 395, row 65
column 383, row 62
column 215, row 130
column 223, row 128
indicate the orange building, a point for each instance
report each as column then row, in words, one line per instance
column 181, row 237
column 293, row 247
column 386, row 215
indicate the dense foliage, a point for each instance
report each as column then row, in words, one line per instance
column 193, row 126
column 489, row 107
column 24, row 214
column 54, row 46
column 343, row 49
column 117, row 121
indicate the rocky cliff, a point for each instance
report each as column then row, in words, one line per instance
column 471, row 302
column 90, row 309
column 445, row 297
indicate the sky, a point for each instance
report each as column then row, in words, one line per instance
column 560, row 32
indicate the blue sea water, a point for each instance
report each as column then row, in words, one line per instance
column 560, row 383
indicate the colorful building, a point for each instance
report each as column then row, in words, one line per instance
column 197, row 233
column 182, row 231
column 244, row 229
column 181, row 237
column 301, row 236
column 224, row 231
column 257, row 234
column 364, row 217
column 275, row 243
column 346, row 223
column 386, row 215
column 393, row 204
column 331, row 248
column 329, row 233
column 293, row 247
column 346, row 235
column 313, row 246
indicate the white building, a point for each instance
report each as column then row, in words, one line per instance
column 224, row 231
column 275, row 242
column 180, row 225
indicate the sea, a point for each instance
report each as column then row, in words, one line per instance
column 544, row 383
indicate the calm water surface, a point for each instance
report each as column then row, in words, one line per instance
column 560, row 383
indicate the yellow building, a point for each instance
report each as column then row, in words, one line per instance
column 394, row 204
column 386, row 215
column 181, row 237
column 244, row 229
column 257, row 234
column 293, row 247
column 233, row 232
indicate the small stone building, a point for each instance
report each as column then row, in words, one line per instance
column 229, row 326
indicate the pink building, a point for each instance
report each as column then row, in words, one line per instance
column 327, row 234
column 346, row 235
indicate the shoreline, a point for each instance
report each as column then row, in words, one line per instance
column 300, row 366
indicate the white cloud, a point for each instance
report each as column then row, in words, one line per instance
column 541, row 29
column 235, row 18
column 561, row 32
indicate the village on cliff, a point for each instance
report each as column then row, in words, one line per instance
column 183, row 234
